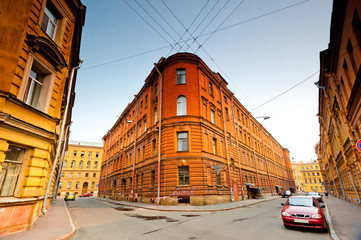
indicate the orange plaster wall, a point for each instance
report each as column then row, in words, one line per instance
column 14, row 218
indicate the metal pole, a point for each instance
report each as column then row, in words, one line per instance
column 160, row 127
column 61, row 135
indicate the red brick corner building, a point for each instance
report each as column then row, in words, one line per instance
column 185, row 138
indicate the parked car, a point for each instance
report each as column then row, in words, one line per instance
column 286, row 194
column 86, row 195
column 69, row 197
column 315, row 195
column 303, row 211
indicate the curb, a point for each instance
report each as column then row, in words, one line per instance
column 185, row 210
column 72, row 232
column 330, row 225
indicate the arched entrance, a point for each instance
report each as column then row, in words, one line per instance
column 85, row 188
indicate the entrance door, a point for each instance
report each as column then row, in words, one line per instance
column 235, row 191
column 85, row 188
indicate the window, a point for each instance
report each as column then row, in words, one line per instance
column 77, row 185
column 154, row 147
column 93, row 184
column 74, row 154
column 181, row 76
column 89, row 154
column 181, row 106
column 81, row 164
column 96, row 164
column 227, row 117
column 82, row 154
column 86, row 174
column 155, row 115
column 182, row 138
column 65, row 162
column 152, row 178
column 50, row 21
column 156, row 89
column 218, row 178
column 145, row 125
column 88, row 164
column 79, row 174
column 72, row 164
column 214, row 146
column 210, row 88
column 70, row 175
column 60, row 185
column 69, row 185
column 143, row 153
column 141, row 105
column 183, row 175
column 94, row 174
column 62, row 174
column 10, row 170
column 213, row 116
column 96, row 154
column 146, row 101
column 140, row 129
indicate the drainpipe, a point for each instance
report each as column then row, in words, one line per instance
column 159, row 126
column 61, row 135
column 135, row 143
column 60, row 165
column 225, row 139
column 265, row 158
column 239, row 154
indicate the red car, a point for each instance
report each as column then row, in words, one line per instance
column 86, row 195
column 303, row 211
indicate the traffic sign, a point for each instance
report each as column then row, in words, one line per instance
column 358, row 145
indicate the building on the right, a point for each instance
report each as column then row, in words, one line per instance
column 340, row 102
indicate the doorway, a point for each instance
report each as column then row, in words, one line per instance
column 85, row 188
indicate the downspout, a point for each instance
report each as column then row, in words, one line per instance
column 159, row 127
column 135, row 142
column 61, row 135
column 239, row 154
column 225, row 139
column 61, row 165
column 265, row 158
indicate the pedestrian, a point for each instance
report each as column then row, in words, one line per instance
column 326, row 193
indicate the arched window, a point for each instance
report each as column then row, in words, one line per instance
column 181, row 106
column 65, row 162
column 96, row 164
column 155, row 115
column 81, row 164
column 88, row 164
column 72, row 164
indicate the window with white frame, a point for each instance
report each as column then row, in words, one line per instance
column 10, row 170
column 69, row 185
column 182, row 139
column 95, row 164
column 81, row 164
column 37, row 86
column 72, row 164
column 60, row 185
column 183, row 175
column 77, row 185
column 213, row 116
column 181, row 106
column 50, row 21
column 181, row 76
column 155, row 115
column 88, row 164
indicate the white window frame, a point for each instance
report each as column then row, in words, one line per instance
column 181, row 76
column 182, row 141
column 181, row 106
column 47, row 85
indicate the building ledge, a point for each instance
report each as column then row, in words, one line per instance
column 12, row 201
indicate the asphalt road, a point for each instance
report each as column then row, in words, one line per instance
column 95, row 219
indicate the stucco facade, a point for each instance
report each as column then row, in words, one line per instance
column 39, row 46
column 185, row 138
column 81, row 168
column 309, row 176
column 340, row 102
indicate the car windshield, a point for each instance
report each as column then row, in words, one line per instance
column 304, row 202
column 313, row 193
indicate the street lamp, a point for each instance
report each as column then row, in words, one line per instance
column 264, row 117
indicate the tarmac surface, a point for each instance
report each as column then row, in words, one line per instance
column 344, row 218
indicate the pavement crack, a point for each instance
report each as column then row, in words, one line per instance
column 152, row 231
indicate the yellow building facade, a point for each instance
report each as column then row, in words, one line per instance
column 81, row 168
column 309, row 176
column 296, row 169
column 39, row 50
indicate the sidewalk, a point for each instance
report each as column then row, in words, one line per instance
column 189, row 208
column 345, row 219
column 55, row 224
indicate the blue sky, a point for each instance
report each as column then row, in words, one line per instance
column 261, row 47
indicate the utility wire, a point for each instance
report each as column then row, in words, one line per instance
column 147, row 22
column 221, row 29
column 157, row 21
column 304, row 80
